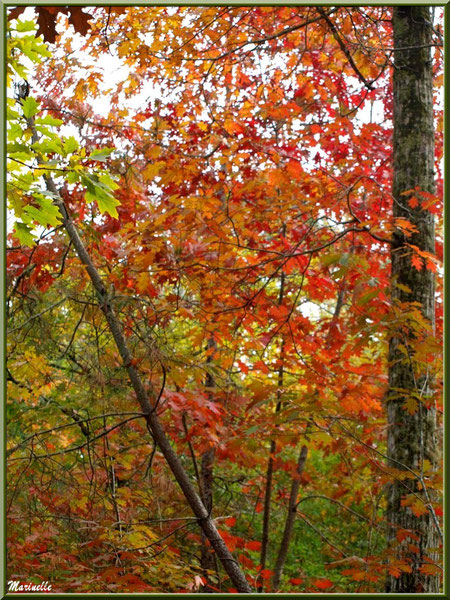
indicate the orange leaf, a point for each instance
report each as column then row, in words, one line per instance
column 416, row 262
column 295, row 169
column 430, row 569
column 315, row 128
column 431, row 266
column 419, row 509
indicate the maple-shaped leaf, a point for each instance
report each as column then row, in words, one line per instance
column 416, row 262
column 79, row 20
column 47, row 17
column 15, row 12
column 430, row 569
column 431, row 265
column 394, row 571
column 402, row 534
column 413, row 202
column 46, row 20
column 410, row 405
column 419, row 508
column 405, row 226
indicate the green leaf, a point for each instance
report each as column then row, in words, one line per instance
column 40, row 47
column 28, row 47
column 108, row 181
column 253, row 429
column 15, row 200
column 29, row 107
column 22, row 156
column 331, row 259
column 18, row 68
column 22, row 26
column 48, row 146
column 14, row 131
column 98, row 189
column 365, row 298
column 72, row 177
column 49, row 120
column 46, row 214
column 105, row 201
column 70, row 145
column 101, row 154
column 12, row 114
column 108, row 204
column 23, row 232
column 86, row 180
column 45, row 131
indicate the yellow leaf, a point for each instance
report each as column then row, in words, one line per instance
column 410, row 405
column 152, row 170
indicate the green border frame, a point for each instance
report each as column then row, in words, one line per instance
column 5, row 4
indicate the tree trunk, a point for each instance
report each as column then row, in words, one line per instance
column 148, row 401
column 411, row 437
column 272, row 449
column 207, row 561
column 290, row 520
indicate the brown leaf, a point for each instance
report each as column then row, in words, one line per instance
column 79, row 20
column 47, row 17
column 15, row 12
column 46, row 20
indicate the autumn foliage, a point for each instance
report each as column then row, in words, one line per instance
column 229, row 170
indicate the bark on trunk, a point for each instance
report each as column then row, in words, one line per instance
column 207, row 561
column 272, row 450
column 290, row 520
column 148, row 402
column 411, row 438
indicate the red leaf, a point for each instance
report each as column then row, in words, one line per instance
column 254, row 545
column 261, row 366
column 323, row 584
column 243, row 367
column 265, row 574
column 295, row 581
column 246, row 561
